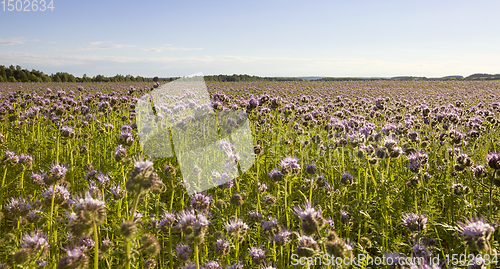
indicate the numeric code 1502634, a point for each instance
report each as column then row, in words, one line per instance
column 27, row 5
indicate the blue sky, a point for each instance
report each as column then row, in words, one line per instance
column 265, row 38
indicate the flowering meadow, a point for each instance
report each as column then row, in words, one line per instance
column 392, row 169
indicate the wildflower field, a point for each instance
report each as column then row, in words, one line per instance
column 388, row 169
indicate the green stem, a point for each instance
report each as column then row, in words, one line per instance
column 286, row 203
column 57, row 148
column 127, row 241
column 4, row 176
column 170, row 257
column 22, row 179
column 126, row 195
column 119, row 209
column 127, row 251
column 274, row 251
column 196, row 256
column 96, row 247
column 52, row 207
column 18, row 230
column 173, row 192
column 311, row 188
column 3, row 184
column 237, row 249
column 136, row 202
column 322, row 245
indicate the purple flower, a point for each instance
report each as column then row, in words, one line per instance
column 17, row 207
column 222, row 247
column 61, row 194
column 282, row 237
column 258, row 255
column 120, row 153
column 289, row 165
column 476, row 227
column 276, row 175
column 414, row 222
column 212, row 265
column 57, row 172
column 346, row 179
column 182, row 251
column 167, row 220
column 236, row 228
column 118, row 192
column 103, row 180
column 493, row 159
column 311, row 219
column 421, row 251
column 36, row 241
column 270, row 226
column 10, row 158
column 476, row 233
column 200, row 201
column 345, row 216
column 193, row 225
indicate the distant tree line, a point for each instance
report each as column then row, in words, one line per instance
column 17, row 74
column 412, row 78
column 347, row 79
column 236, row 78
column 483, row 77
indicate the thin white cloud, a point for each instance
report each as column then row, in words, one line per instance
column 12, row 41
column 167, row 47
column 99, row 45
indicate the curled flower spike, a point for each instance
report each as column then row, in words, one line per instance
column 493, row 159
column 258, row 255
column 142, row 178
column 336, row 246
column 312, row 220
column 34, row 245
column 194, row 226
column 200, row 201
column 414, row 222
column 167, row 221
column 10, row 158
column 120, row 153
column 61, row 195
column 222, row 247
column 275, row 175
column 236, row 228
column 75, row 258
column 56, row 174
column 183, row 251
column 476, row 233
column 282, row 238
column 306, row 247
column 88, row 210
column 17, row 207
column 290, row 165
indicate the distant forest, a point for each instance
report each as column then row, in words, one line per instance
column 229, row 78
column 17, row 74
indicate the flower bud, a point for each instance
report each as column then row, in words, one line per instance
column 128, row 229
